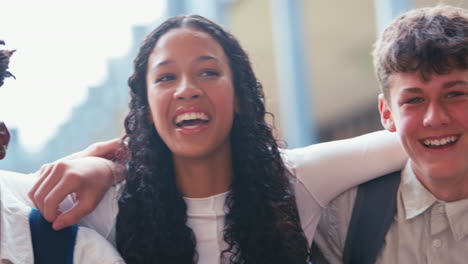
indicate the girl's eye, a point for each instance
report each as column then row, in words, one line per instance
column 165, row 78
column 210, row 73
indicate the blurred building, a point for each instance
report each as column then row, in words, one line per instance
column 338, row 37
column 99, row 118
column 340, row 90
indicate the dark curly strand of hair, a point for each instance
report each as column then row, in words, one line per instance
column 4, row 62
column 262, row 225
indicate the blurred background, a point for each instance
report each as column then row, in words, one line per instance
column 74, row 57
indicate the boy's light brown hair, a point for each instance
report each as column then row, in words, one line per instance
column 424, row 40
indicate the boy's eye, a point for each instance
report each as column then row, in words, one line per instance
column 414, row 100
column 165, row 78
column 454, row 94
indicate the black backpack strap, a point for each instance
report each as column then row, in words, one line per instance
column 50, row 246
column 374, row 209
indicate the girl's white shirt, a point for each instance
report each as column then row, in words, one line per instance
column 318, row 174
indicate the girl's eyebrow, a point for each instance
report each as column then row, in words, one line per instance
column 154, row 66
column 206, row 57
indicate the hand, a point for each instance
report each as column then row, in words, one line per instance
column 4, row 139
column 86, row 177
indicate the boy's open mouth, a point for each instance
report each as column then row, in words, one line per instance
column 440, row 142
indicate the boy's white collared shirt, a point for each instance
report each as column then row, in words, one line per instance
column 425, row 229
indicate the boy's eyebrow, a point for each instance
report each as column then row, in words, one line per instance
column 453, row 83
column 444, row 86
column 413, row 90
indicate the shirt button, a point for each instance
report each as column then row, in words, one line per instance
column 436, row 243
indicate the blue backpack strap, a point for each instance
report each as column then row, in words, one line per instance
column 50, row 246
column 373, row 213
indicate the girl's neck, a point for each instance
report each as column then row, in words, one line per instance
column 204, row 177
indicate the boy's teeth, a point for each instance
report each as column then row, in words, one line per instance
column 440, row 142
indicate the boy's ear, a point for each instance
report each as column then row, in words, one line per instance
column 386, row 117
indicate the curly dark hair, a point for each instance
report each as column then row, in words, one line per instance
column 425, row 40
column 262, row 225
column 4, row 62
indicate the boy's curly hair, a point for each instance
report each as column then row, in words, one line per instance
column 424, row 40
column 4, row 61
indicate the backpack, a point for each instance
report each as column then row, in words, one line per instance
column 374, row 209
column 50, row 246
column 373, row 212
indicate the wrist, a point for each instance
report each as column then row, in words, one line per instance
column 115, row 173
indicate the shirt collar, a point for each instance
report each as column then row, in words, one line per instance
column 416, row 199
column 457, row 213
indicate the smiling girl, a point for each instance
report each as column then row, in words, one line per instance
column 205, row 179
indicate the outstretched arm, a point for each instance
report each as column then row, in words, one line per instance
column 87, row 175
column 327, row 169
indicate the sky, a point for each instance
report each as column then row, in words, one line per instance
column 62, row 49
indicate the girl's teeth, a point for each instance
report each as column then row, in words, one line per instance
column 190, row 116
column 190, row 127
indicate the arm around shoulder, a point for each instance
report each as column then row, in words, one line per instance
column 329, row 168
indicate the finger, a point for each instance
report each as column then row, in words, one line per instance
column 43, row 173
column 53, row 199
column 70, row 217
column 51, row 179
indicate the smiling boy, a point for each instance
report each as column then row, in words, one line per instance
column 421, row 62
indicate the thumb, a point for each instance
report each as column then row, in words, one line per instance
column 72, row 216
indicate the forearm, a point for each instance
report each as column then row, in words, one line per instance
column 328, row 169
